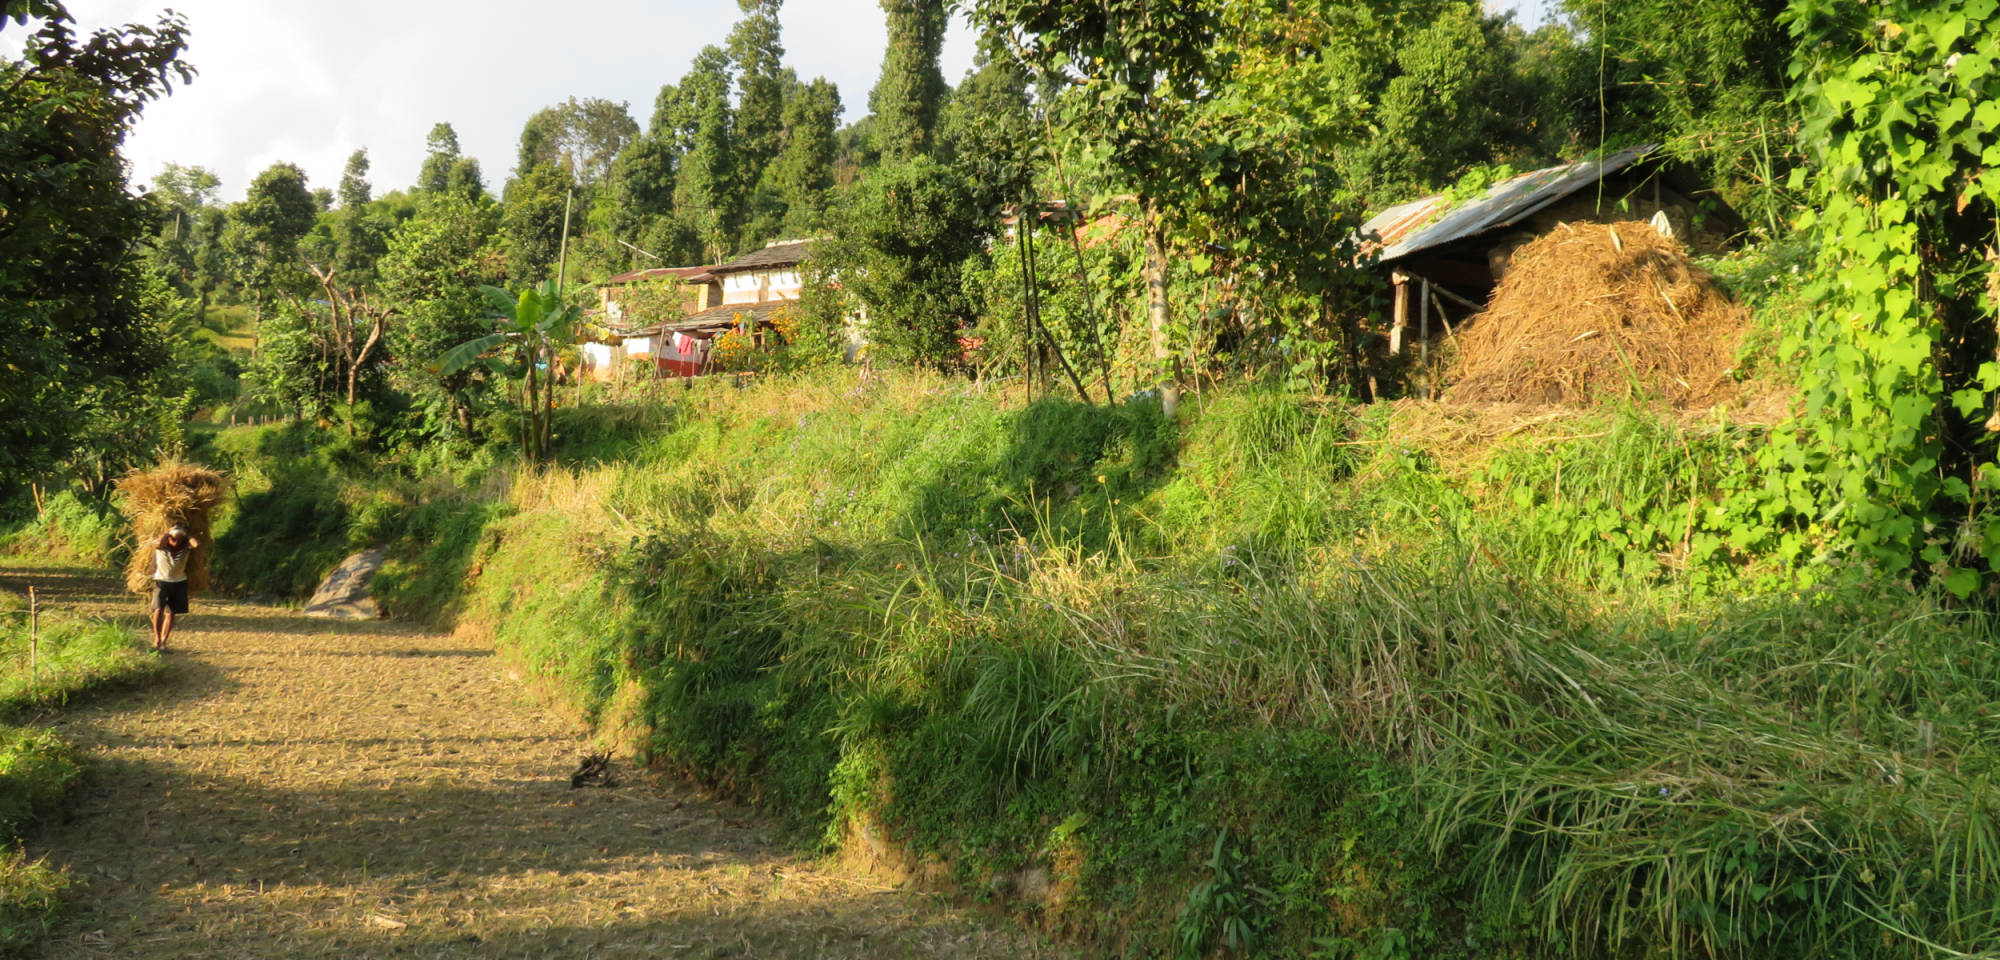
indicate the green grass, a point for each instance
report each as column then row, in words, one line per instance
column 1281, row 679
column 31, row 895
column 38, row 770
column 231, row 327
column 75, row 655
column 70, row 529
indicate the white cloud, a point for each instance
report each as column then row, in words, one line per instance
column 310, row 81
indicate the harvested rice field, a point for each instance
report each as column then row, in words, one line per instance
column 306, row 788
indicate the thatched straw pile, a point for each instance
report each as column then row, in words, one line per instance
column 1595, row 312
column 159, row 498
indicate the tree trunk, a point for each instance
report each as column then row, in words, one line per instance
column 528, row 432
column 1155, row 273
column 548, row 408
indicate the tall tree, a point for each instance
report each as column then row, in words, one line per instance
column 359, row 237
column 899, row 246
column 804, row 171
column 911, row 89
column 465, row 180
column 581, row 136
column 754, row 45
column 440, row 154
column 532, row 219
column 435, row 263
column 76, row 340
column 707, row 194
column 355, row 190
column 679, row 109
column 276, row 213
column 186, row 233
column 640, row 196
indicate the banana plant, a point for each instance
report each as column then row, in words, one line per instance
column 531, row 327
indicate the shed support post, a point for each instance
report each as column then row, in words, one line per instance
column 1401, row 312
column 1424, row 335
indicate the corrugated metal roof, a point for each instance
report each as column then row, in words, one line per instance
column 1407, row 228
column 691, row 274
column 775, row 255
column 714, row 318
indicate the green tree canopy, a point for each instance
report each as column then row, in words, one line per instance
column 532, row 219
column 899, row 247
column 72, row 317
column 583, row 137
column 276, row 214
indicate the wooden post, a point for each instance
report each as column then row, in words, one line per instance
column 1401, row 312
column 34, row 640
column 1424, row 335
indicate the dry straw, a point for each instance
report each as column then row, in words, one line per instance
column 1595, row 312
column 172, row 493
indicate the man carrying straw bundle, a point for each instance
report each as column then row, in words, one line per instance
column 170, row 581
column 177, row 498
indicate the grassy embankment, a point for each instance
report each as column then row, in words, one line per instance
column 1288, row 678
column 38, row 769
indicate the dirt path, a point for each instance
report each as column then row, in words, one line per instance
column 300, row 788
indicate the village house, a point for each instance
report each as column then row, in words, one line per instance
column 636, row 300
column 742, row 294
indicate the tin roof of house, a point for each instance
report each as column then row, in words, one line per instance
column 685, row 274
column 1407, row 228
column 715, row 318
column 782, row 253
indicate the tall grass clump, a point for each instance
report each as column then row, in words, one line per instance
column 1284, row 678
column 75, row 655
column 70, row 528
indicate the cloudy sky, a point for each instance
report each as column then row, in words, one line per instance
column 310, row 81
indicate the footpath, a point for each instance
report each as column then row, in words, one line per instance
column 306, row 788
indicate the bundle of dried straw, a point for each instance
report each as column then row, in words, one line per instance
column 1596, row 312
column 159, row 498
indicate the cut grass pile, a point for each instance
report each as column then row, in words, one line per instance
column 38, row 770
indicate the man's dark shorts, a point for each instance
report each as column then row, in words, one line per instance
column 173, row 596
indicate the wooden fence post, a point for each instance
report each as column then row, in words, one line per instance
column 34, row 640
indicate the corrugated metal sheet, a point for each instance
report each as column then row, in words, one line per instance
column 715, row 318
column 774, row 256
column 1407, row 228
column 685, row 274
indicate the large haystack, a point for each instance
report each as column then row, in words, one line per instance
column 159, row 498
column 1593, row 312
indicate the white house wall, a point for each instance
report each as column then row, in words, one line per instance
column 761, row 286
